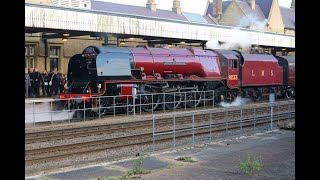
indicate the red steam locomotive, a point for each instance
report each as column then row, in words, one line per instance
column 110, row 71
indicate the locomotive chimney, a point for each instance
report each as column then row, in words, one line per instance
column 293, row 4
column 151, row 5
column 176, row 6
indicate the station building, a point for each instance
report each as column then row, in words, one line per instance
column 58, row 29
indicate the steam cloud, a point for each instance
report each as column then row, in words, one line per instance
column 237, row 102
column 239, row 39
column 252, row 20
column 40, row 112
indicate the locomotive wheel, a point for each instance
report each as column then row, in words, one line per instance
column 244, row 94
column 217, row 98
column 288, row 94
column 129, row 108
column 257, row 98
column 103, row 110
column 258, row 95
column 230, row 97
column 146, row 102
column 193, row 99
column 172, row 101
column 79, row 114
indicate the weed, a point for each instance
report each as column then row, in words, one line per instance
column 250, row 164
column 186, row 159
column 138, row 166
column 136, row 169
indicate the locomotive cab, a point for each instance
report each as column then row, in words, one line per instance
column 288, row 65
column 88, row 71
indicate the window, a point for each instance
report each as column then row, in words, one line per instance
column 224, row 62
column 233, row 64
column 30, row 60
column 54, row 58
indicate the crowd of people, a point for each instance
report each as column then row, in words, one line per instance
column 48, row 83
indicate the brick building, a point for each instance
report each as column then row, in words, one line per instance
column 253, row 13
column 51, row 50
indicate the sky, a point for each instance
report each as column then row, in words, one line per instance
column 195, row 6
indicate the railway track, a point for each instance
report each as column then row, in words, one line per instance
column 69, row 133
column 53, row 153
column 57, row 152
column 139, row 112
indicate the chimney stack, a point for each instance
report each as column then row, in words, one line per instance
column 214, row 8
column 293, row 4
column 252, row 4
column 176, row 6
column 219, row 9
column 152, row 5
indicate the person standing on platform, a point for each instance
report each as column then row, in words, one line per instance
column 36, row 82
column 55, row 83
column 27, row 83
column 45, row 83
column 50, row 83
column 31, row 91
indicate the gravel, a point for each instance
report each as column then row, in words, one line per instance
column 118, row 153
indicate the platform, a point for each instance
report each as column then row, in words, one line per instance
column 217, row 160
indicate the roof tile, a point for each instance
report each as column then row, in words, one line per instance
column 288, row 16
column 257, row 13
column 138, row 10
column 265, row 6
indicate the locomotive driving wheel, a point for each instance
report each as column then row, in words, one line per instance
column 173, row 101
column 102, row 110
column 217, row 98
column 193, row 99
column 130, row 107
column 79, row 112
column 258, row 95
column 288, row 94
column 230, row 96
column 150, row 102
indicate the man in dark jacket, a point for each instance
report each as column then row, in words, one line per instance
column 36, row 82
column 51, row 73
column 31, row 91
column 55, row 83
column 45, row 83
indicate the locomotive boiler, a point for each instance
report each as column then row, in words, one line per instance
column 127, row 72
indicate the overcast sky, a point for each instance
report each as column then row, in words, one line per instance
column 195, row 6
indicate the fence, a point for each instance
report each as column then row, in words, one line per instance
column 55, row 110
column 190, row 128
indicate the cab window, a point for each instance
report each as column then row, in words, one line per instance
column 233, row 63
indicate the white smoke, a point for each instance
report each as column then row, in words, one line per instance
column 237, row 102
column 41, row 112
column 252, row 20
column 213, row 44
column 238, row 38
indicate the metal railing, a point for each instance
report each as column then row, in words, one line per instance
column 108, row 107
column 206, row 125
